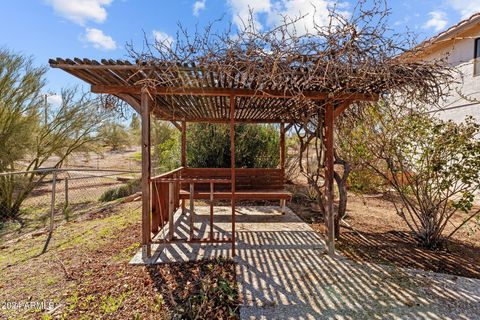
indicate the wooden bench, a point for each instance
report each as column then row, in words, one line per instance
column 251, row 184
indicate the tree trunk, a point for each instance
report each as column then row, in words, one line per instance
column 341, row 181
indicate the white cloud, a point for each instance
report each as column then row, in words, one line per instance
column 465, row 7
column 438, row 21
column 241, row 10
column 81, row 11
column 162, row 37
column 198, row 6
column 313, row 12
column 54, row 100
column 99, row 39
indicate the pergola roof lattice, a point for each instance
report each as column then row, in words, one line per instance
column 189, row 93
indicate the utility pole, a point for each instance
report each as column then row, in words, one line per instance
column 46, row 108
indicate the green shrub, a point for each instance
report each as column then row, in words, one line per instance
column 166, row 147
column 256, row 146
column 125, row 190
column 365, row 181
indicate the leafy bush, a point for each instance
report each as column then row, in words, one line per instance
column 166, row 150
column 208, row 146
column 125, row 190
column 363, row 180
column 433, row 166
column 256, row 146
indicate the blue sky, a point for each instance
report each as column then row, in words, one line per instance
column 100, row 28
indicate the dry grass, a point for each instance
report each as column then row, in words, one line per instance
column 85, row 273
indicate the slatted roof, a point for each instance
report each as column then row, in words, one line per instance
column 192, row 94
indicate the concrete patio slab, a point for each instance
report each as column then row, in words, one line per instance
column 283, row 273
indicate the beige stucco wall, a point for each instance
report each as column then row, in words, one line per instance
column 459, row 54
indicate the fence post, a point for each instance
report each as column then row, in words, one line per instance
column 52, row 209
column 65, row 207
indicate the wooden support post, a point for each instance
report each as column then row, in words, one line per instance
column 184, row 155
column 170, row 210
column 232, row 166
column 282, row 149
column 329, row 167
column 156, row 210
column 283, row 203
column 146, row 222
column 184, row 144
column 192, row 213
column 282, row 161
column 211, row 211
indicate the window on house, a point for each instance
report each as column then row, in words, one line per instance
column 476, row 60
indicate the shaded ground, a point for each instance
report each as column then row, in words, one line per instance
column 380, row 236
column 85, row 274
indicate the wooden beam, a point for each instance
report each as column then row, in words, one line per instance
column 131, row 101
column 232, row 166
column 282, row 149
column 218, row 120
column 184, row 144
column 329, row 167
column 65, row 66
column 341, row 108
column 175, row 123
column 226, row 92
column 120, row 67
column 146, row 223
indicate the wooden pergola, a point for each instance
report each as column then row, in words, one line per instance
column 207, row 96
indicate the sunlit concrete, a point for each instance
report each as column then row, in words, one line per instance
column 283, row 273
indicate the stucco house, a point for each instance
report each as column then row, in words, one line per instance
column 460, row 46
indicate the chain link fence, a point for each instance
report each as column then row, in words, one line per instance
column 61, row 194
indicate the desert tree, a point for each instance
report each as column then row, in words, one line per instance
column 115, row 136
column 28, row 141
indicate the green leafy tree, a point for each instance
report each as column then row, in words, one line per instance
column 27, row 141
column 208, row 146
column 433, row 166
column 166, row 141
column 115, row 136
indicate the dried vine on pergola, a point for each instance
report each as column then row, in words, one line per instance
column 351, row 54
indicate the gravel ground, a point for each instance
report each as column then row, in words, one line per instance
column 283, row 273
